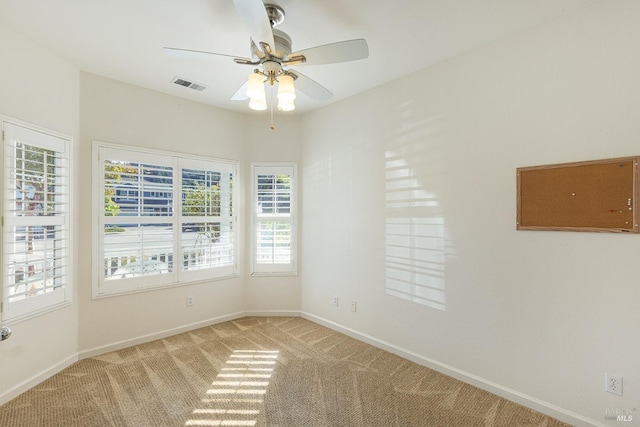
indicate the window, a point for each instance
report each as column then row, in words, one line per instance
column 36, row 239
column 274, row 226
column 163, row 219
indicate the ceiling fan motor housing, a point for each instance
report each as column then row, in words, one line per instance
column 281, row 39
column 282, row 43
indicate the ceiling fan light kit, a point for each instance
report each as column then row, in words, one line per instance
column 271, row 51
column 286, row 93
column 256, row 93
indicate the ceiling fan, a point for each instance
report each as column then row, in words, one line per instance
column 271, row 54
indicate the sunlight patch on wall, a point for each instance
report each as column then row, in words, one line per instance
column 415, row 260
column 415, row 251
column 237, row 394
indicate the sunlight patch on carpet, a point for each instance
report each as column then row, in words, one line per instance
column 245, row 373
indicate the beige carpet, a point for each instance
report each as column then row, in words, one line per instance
column 277, row 372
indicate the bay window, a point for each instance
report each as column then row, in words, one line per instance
column 163, row 219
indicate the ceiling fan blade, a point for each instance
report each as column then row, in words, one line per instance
column 195, row 54
column 241, row 93
column 255, row 18
column 348, row 50
column 310, row 87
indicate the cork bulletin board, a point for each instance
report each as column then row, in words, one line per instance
column 599, row 195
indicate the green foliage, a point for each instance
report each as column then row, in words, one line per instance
column 113, row 173
column 111, row 208
column 202, row 200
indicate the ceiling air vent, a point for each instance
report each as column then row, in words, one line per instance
column 187, row 83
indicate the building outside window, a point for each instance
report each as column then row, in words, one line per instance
column 165, row 219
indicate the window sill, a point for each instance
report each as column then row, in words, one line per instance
column 30, row 316
column 97, row 295
column 275, row 274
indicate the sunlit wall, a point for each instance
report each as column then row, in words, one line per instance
column 410, row 203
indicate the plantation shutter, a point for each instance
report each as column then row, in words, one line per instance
column 36, row 213
column 137, row 220
column 207, row 219
column 274, row 206
column 163, row 219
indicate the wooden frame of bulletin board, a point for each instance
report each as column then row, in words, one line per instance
column 598, row 195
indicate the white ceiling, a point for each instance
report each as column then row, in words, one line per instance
column 123, row 39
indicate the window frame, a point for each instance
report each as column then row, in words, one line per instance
column 274, row 269
column 178, row 276
column 43, row 138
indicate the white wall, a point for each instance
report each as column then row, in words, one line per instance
column 270, row 295
column 38, row 88
column 115, row 112
column 539, row 314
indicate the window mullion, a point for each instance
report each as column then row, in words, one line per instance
column 201, row 246
column 177, row 216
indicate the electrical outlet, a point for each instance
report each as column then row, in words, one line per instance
column 334, row 301
column 189, row 301
column 353, row 306
column 613, row 384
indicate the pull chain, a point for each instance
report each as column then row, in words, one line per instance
column 272, row 127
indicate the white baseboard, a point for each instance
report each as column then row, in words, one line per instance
column 273, row 313
column 158, row 335
column 40, row 377
column 497, row 389
column 37, row 379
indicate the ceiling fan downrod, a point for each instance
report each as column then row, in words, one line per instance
column 275, row 14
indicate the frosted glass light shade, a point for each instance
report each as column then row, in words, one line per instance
column 255, row 86
column 286, row 105
column 286, row 93
column 255, row 92
column 286, row 90
column 258, row 104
